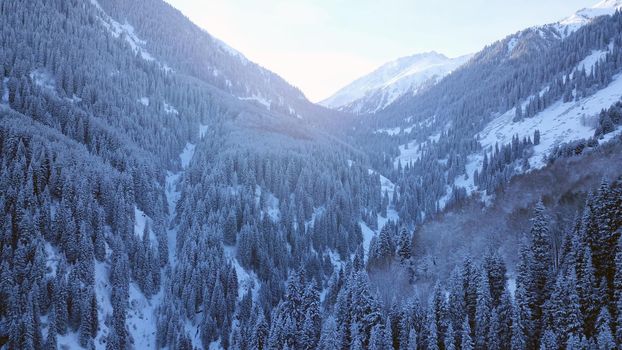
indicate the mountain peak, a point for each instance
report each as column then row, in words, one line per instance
column 392, row 80
column 615, row 4
column 584, row 16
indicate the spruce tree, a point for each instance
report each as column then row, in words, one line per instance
column 467, row 341
column 604, row 337
column 482, row 313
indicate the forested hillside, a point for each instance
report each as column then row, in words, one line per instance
column 159, row 190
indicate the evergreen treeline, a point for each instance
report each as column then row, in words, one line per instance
column 264, row 248
column 542, row 68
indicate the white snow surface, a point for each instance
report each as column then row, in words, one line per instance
column 561, row 122
column 71, row 340
column 144, row 101
column 590, row 61
column 259, row 99
column 389, row 131
column 231, row 51
column 140, row 220
column 512, row 44
column 412, row 151
column 104, row 306
column 5, row 91
column 368, row 233
column 43, row 79
column 246, row 280
column 172, row 197
column 392, row 80
column 141, row 318
column 586, row 15
column 170, row 109
column 126, row 31
column 202, row 130
column 187, row 154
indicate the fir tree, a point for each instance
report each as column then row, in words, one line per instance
column 604, row 337
column 467, row 341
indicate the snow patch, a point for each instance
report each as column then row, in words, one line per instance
column 559, row 123
column 126, row 31
column 202, row 130
column 186, row 155
column 104, row 306
column 231, row 51
column 141, row 318
column 259, row 99
column 5, row 91
column 511, row 285
column 140, row 221
column 586, row 15
column 368, row 234
column 43, row 79
column 71, row 340
column 169, row 109
column 385, row 186
column 51, row 260
column 590, row 61
column 172, row 197
column 389, row 131
column 144, row 101
column 512, row 44
column 474, row 162
column 412, row 151
column 246, row 280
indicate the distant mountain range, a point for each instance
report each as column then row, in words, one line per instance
column 409, row 75
column 406, row 75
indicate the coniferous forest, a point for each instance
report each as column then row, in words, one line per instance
column 161, row 191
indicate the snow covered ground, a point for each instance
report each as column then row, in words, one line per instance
column 389, row 131
column 140, row 221
column 124, row 30
column 368, row 233
column 43, row 79
column 202, row 130
column 104, row 306
column 5, row 92
column 411, row 152
column 186, row 155
column 561, row 122
column 141, row 318
column 172, row 197
column 144, row 101
column 246, row 280
column 392, row 80
column 259, row 99
column 584, row 16
column 170, row 109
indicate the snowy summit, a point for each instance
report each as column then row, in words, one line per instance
column 392, row 80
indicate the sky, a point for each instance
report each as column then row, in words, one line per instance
column 320, row 46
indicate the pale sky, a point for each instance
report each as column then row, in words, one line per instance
column 322, row 45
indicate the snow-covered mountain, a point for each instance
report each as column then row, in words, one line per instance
column 554, row 79
column 157, row 31
column 159, row 190
column 392, row 80
column 586, row 15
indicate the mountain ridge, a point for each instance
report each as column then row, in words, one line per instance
column 385, row 84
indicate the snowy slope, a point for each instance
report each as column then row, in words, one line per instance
column 584, row 16
column 385, row 186
column 380, row 88
column 560, row 123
